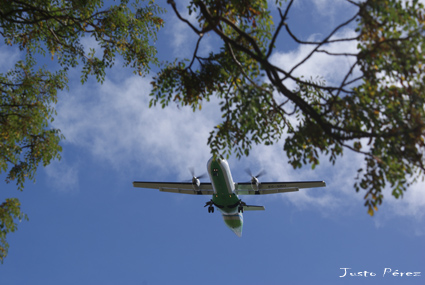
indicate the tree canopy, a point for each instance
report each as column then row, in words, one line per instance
column 29, row 91
column 376, row 110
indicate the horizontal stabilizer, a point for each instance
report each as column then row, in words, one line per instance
column 253, row 208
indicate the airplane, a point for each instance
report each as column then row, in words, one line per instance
column 225, row 192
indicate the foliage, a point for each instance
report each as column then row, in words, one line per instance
column 378, row 114
column 9, row 211
column 26, row 110
column 28, row 92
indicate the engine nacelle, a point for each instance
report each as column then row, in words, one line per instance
column 254, row 183
column 196, row 183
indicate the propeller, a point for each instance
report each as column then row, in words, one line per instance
column 195, row 179
column 254, row 178
column 192, row 172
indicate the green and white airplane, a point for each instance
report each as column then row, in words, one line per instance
column 225, row 192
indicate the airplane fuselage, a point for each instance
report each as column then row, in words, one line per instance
column 224, row 197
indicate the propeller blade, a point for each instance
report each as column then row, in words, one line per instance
column 192, row 174
column 192, row 171
column 202, row 176
column 261, row 173
column 249, row 172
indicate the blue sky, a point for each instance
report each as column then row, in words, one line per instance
column 88, row 225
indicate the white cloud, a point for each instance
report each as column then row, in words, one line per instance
column 90, row 43
column 338, row 196
column 116, row 125
column 329, row 67
column 407, row 212
column 329, row 8
column 411, row 204
column 8, row 57
column 62, row 177
column 179, row 34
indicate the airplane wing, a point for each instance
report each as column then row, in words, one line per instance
column 177, row 187
column 275, row 187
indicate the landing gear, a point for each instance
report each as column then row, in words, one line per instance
column 241, row 205
column 211, row 207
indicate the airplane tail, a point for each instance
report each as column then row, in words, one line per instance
column 253, row 208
